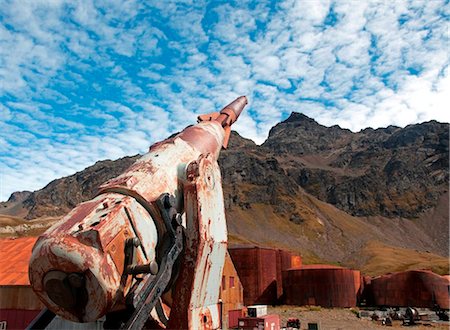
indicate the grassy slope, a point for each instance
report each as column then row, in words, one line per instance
column 326, row 235
column 375, row 245
column 384, row 259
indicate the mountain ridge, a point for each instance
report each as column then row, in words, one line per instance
column 325, row 190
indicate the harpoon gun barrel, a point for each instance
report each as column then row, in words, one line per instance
column 86, row 265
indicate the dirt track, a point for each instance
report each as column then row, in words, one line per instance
column 338, row 319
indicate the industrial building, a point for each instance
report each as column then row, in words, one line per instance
column 231, row 294
column 251, row 276
column 18, row 303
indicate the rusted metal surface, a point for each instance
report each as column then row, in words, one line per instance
column 227, row 116
column 257, row 269
column 326, row 286
column 152, row 287
column 78, row 267
column 196, row 294
column 418, row 288
column 285, row 260
column 89, row 242
column 260, row 271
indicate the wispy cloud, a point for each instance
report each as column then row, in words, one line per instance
column 83, row 81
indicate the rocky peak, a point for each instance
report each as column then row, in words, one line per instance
column 298, row 117
column 388, row 171
column 238, row 142
column 18, row 196
column 301, row 135
column 429, row 134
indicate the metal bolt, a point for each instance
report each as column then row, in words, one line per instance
column 154, row 267
column 136, row 242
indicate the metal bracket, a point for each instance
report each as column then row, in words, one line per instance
column 149, row 291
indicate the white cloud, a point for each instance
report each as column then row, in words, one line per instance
column 82, row 81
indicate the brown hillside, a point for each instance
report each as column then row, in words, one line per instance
column 376, row 200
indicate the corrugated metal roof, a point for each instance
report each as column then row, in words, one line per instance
column 14, row 257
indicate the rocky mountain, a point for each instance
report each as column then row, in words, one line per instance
column 329, row 193
column 390, row 172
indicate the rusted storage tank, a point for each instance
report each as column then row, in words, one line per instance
column 19, row 305
column 321, row 285
column 257, row 270
column 418, row 288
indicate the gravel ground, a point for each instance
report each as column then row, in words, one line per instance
column 338, row 319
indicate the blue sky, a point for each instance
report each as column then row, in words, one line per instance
column 90, row 80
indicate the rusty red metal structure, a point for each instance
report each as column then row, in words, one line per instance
column 418, row 288
column 157, row 228
column 260, row 271
column 321, row 285
column 289, row 260
column 257, row 269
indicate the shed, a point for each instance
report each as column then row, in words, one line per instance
column 18, row 303
column 231, row 294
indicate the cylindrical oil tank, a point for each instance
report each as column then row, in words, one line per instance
column 257, row 270
column 321, row 285
column 418, row 288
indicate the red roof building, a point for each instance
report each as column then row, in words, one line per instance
column 18, row 303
